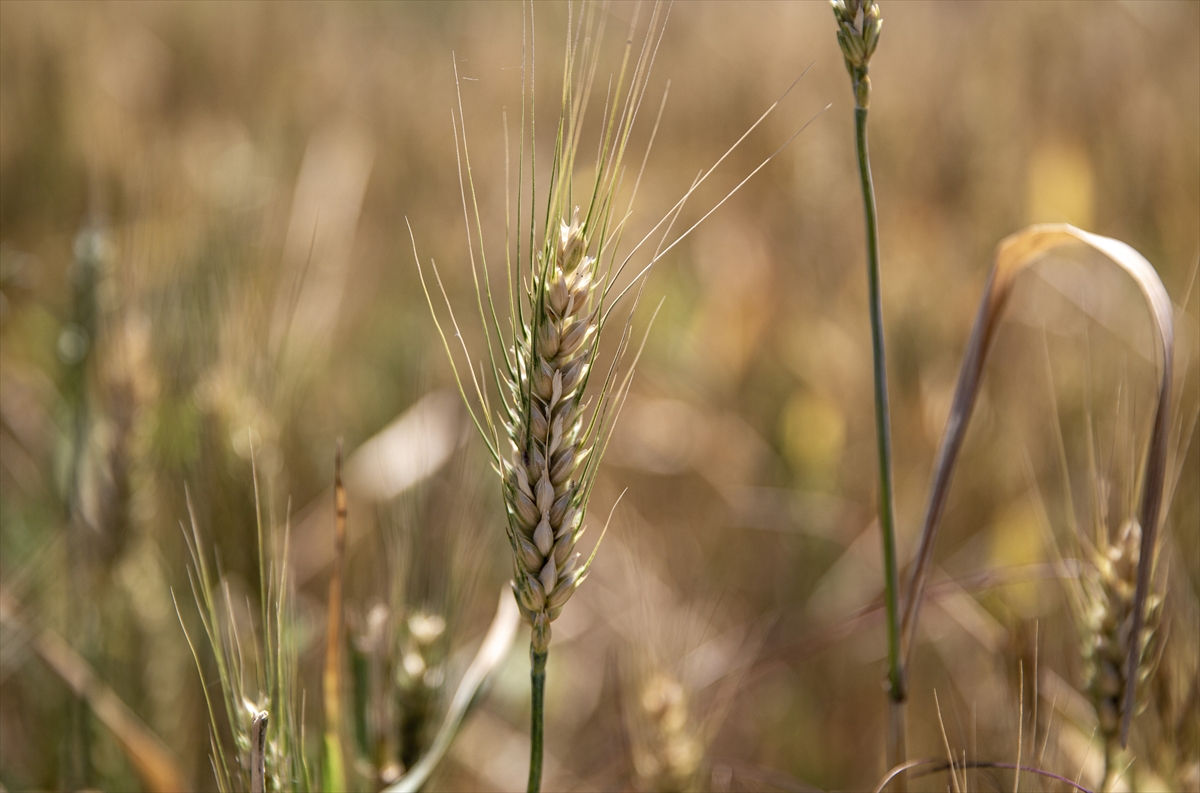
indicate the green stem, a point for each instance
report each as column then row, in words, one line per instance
column 537, row 676
column 883, row 439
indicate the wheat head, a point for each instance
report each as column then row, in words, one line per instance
column 540, row 489
column 859, row 23
column 1109, row 584
column 563, row 287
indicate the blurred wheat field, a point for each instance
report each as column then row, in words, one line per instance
column 206, row 279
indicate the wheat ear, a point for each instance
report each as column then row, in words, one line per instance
column 541, row 492
column 1109, row 586
column 564, row 279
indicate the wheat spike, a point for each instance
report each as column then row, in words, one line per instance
column 421, row 674
column 858, row 35
column 541, row 491
column 564, row 281
column 1109, row 585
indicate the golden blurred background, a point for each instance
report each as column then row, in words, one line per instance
column 204, row 257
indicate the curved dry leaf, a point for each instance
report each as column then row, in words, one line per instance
column 1013, row 255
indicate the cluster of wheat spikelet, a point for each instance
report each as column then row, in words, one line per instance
column 858, row 39
column 540, row 491
column 671, row 756
column 1108, row 588
column 420, row 676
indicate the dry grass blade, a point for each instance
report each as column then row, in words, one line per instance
column 1014, row 254
column 492, row 652
column 156, row 766
column 950, row 754
column 335, row 769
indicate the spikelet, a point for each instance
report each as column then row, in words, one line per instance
column 1108, row 588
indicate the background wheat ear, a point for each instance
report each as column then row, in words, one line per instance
column 1109, row 585
column 668, row 752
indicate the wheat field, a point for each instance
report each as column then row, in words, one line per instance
column 208, row 295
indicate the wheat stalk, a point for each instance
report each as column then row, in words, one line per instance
column 559, row 306
column 561, row 296
column 859, row 24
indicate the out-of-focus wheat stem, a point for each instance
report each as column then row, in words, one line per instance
column 537, row 676
column 883, row 429
column 859, row 24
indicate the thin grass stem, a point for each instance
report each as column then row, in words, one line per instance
column 883, row 441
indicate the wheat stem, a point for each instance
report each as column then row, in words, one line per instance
column 537, row 726
column 859, row 24
column 883, row 429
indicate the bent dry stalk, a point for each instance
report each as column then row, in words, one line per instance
column 859, row 24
